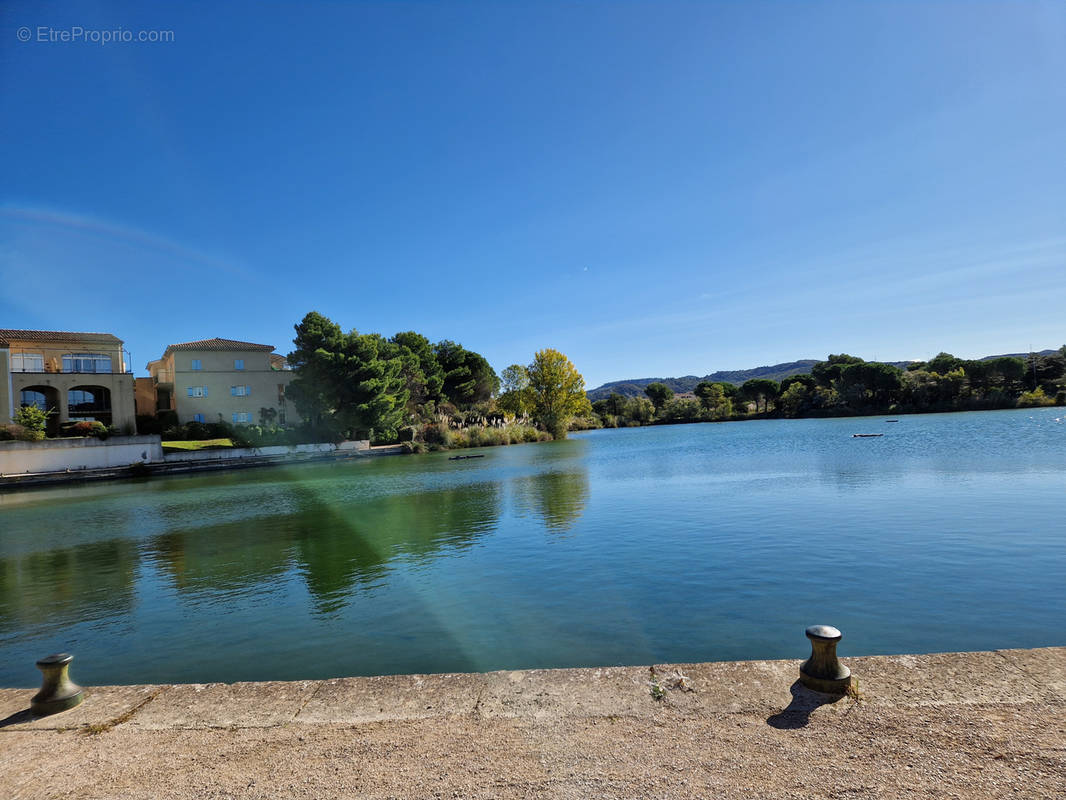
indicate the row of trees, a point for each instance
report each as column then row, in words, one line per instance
column 845, row 385
column 404, row 387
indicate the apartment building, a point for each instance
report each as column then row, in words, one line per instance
column 221, row 380
column 77, row 376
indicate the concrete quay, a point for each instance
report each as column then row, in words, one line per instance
column 949, row 725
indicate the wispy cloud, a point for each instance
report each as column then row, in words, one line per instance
column 118, row 233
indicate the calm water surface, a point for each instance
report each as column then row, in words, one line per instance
column 679, row 543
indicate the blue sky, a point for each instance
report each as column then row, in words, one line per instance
column 656, row 189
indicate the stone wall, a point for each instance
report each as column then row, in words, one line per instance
column 58, row 455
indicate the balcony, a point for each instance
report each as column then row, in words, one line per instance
column 76, row 364
column 162, row 377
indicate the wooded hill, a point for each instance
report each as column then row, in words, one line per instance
column 634, row 387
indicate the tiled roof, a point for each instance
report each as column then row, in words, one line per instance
column 278, row 362
column 217, row 344
column 8, row 335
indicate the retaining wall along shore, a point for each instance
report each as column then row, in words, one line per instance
column 76, row 453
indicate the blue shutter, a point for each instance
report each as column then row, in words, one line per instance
column 190, row 391
column 233, row 392
column 205, row 391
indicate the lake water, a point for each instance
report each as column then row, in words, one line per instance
column 666, row 544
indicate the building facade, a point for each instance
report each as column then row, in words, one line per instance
column 221, row 380
column 76, row 376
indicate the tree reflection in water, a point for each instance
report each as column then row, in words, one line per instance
column 558, row 498
column 335, row 548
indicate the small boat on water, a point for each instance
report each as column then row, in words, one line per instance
column 460, row 458
column 891, row 420
column 866, row 435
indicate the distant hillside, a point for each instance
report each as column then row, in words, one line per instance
column 634, row 387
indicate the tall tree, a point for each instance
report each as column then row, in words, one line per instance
column 758, row 389
column 712, row 399
column 421, row 370
column 943, row 363
column 658, row 393
column 313, row 390
column 828, row 371
column 515, row 395
column 349, row 382
column 558, row 392
column 468, row 378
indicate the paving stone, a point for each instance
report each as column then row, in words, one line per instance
column 392, row 697
column 943, row 679
column 225, row 705
column 102, row 705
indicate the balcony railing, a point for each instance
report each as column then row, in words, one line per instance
column 47, row 371
column 162, row 376
column 30, row 362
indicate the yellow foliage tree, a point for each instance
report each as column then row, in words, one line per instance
column 558, row 392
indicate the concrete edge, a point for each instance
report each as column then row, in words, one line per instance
column 999, row 677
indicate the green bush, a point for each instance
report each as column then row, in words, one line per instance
column 1035, row 398
column 19, row 433
column 32, row 418
column 384, row 436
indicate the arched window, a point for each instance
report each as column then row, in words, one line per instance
column 88, row 400
column 86, row 362
column 31, row 398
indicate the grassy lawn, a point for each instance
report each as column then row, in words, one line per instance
column 202, row 444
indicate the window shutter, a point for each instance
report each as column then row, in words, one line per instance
column 190, row 391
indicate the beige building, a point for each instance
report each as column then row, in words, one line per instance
column 222, row 380
column 78, row 376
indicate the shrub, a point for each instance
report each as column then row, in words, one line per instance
column 196, row 431
column 218, row 430
column 31, row 418
column 19, row 433
column 383, row 436
column 1035, row 398
column 82, row 428
column 148, row 424
column 167, row 419
column 436, row 433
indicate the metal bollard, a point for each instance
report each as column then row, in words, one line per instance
column 58, row 691
column 823, row 672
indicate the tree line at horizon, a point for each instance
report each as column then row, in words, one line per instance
column 407, row 389
column 845, row 385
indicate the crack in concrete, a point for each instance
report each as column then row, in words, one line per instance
column 303, row 705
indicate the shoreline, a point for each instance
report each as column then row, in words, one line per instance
column 949, row 724
column 17, row 481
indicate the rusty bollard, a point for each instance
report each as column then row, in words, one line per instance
column 823, row 672
column 58, row 691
